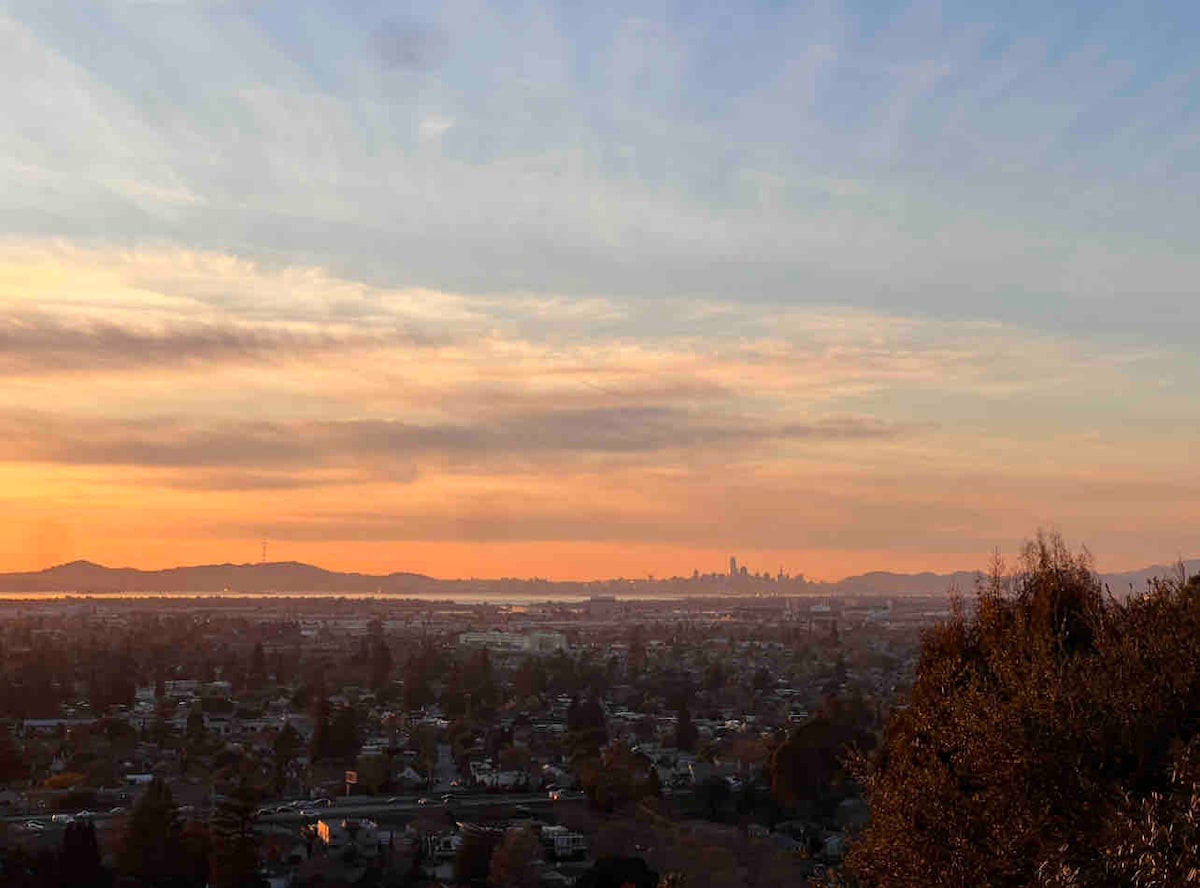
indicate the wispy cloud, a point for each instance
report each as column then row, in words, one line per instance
column 38, row 344
column 298, row 445
column 931, row 163
column 598, row 274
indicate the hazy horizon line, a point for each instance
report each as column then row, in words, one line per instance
column 1189, row 563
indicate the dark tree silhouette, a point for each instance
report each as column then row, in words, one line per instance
column 381, row 666
column 288, row 744
column 234, row 858
column 514, row 862
column 79, row 863
column 686, row 733
column 810, row 763
column 153, row 848
column 618, row 872
column 473, row 860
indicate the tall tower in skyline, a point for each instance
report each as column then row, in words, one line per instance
column 733, row 571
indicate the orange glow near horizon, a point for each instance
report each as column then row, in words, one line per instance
column 167, row 407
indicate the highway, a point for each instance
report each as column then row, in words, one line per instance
column 374, row 807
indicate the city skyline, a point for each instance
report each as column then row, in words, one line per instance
column 541, row 291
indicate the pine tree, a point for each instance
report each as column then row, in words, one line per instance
column 152, row 848
column 258, row 662
column 234, row 860
column 79, row 861
column 288, row 744
column 381, row 666
column 686, row 733
column 12, row 764
column 320, row 743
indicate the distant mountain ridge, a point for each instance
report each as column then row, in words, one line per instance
column 282, row 576
column 290, row 577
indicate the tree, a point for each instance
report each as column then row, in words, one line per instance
column 618, row 777
column 587, row 728
column 1050, row 738
column 417, row 690
column 152, row 848
column 480, row 679
column 514, row 862
column 343, row 732
column 234, row 859
column 374, row 772
column 196, row 730
column 514, row 758
column 473, row 860
column 258, row 662
column 686, row 733
column 618, row 872
column 714, row 794
column 321, row 743
column 381, row 666
column 530, row 678
column 424, row 740
column 286, row 747
column 811, row 761
column 12, row 764
column 79, row 861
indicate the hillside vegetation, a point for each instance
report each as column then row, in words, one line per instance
column 1053, row 738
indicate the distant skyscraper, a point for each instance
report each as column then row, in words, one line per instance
column 733, row 565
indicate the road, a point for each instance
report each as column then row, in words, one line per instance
column 357, row 806
column 376, row 808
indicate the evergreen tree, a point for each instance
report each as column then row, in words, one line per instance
column 258, row 662
column 12, row 764
column 381, row 666
column 287, row 746
column 343, row 732
column 320, row 745
column 234, row 858
column 686, row 733
column 530, row 678
column 152, row 849
column 79, row 862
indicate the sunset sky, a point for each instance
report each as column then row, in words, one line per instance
column 585, row 290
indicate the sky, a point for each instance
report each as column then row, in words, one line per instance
column 595, row 290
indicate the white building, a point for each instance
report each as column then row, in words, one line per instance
column 515, row 643
column 562, row 843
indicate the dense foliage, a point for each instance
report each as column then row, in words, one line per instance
column 1052, row 738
